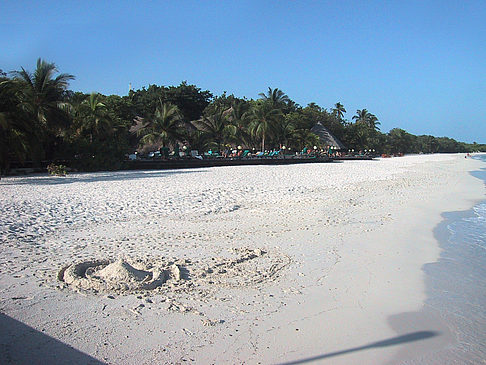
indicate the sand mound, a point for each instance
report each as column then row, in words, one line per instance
column 244, row 267
column 117, row 276
column 123, row 271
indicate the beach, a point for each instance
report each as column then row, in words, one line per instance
column 243, row 264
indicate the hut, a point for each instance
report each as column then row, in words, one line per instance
column 326, row 137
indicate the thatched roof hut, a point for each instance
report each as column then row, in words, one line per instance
column 326, row 137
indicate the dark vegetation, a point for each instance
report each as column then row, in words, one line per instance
column 42, row 121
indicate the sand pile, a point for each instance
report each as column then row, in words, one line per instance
column 243, row 267
column 118, row 276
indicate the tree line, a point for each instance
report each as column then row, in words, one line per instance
column 41, row 119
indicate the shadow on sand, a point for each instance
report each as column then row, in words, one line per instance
column 92, row 177
column 21, row 344
column 410, row 337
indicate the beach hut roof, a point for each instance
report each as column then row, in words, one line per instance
column 326, row 137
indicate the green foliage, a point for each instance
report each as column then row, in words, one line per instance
column 15, row 134
column 41, row 119
column 190, row 100
column 364, row 117
column 217, row 127
column 163, row 128
column 399, row 141
column 93, row 118
column 33, row 113
column 338, row 112
column 42, row 96
column 199, row 140
column 264, row 119
column 57, row 170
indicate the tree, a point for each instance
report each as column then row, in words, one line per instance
column 426, row 144
column 276, row 97
column 373, row 122
column 93, row 116
column 189, row 99
column 365, row 117
column 165, row 126
column 42, row 97
column 198, row 140
column 399, row 141
column 264, row 116
column 16, row 136
column 284, row 131
column 338, row 111
column 217, row 127
column 302, row 138
column 239, row 117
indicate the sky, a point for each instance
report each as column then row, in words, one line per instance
column 416, row 65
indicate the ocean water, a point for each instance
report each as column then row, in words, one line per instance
column 456, row 284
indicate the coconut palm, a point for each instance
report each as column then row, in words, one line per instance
column 16, row 136
column 165, row 126
column 276, row 97
column 264, row 116
column 217, row 127
column 239, row 117
column 361, row 116
column 339, row 111
column 373, row 122
column 93, row 116
column 198, row 140
column 42, row 95
column 284, row 130
column 364, row 117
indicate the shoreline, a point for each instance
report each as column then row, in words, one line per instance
column 410, row 258
column 450, row 273
column 344, row 246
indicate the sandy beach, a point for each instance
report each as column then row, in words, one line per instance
column 249, row 264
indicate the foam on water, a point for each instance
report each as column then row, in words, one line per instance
column 470, row 230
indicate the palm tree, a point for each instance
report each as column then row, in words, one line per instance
column 198, row 140
column 361, row 116
column 94, row 117
column 217, row 127
column 276, row 97
column 284, row 131
column 16, row 135
column 42, row 95
column 239, row 117
column 264, row 116
column 373, row 122
column 339, row 111
column 304, row 137
column 365, row 117
column 165, row 126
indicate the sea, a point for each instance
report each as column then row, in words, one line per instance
column 456, row 284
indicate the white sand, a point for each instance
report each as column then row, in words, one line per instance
column 252, row 264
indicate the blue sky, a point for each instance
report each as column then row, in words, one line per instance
column 417, row 65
